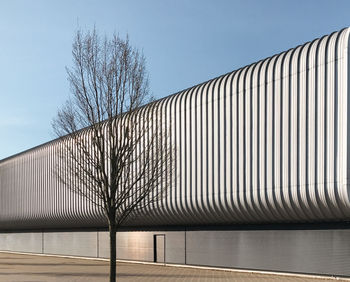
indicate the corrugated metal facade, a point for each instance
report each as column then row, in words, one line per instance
column 265, row 143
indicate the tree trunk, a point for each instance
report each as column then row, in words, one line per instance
column 112, row 252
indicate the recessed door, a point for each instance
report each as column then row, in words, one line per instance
column 159, row 248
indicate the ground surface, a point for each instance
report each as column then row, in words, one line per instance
column 30, row 268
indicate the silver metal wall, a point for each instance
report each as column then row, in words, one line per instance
column 305, row 251
column 31, row 195
column 265, row 143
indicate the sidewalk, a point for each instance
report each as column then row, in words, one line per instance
column 30, row 268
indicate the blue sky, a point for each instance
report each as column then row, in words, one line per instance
column 185, row 43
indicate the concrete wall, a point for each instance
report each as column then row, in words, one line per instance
column 306, row 251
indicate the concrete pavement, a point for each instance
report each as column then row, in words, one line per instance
column 34, row 268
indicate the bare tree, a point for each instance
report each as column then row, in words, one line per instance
column 116, row 152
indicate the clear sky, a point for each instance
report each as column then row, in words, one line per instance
column 185, row 43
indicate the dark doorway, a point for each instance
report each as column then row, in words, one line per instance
column 159, row 248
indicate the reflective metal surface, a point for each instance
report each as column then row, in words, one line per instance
column 265, row 143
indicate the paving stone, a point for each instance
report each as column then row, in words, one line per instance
column 33, row 268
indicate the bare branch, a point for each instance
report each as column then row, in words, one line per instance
column 115, row 153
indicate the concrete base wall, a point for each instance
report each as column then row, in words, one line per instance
column 305, row 251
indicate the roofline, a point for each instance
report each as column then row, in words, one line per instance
column 179, row 92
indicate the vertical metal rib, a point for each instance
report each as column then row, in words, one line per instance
column 266, row 143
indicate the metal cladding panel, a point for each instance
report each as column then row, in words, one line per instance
column 22, row 242
column 70, row 243
column 303, row 251
column 32, row 197
column 266, row 143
